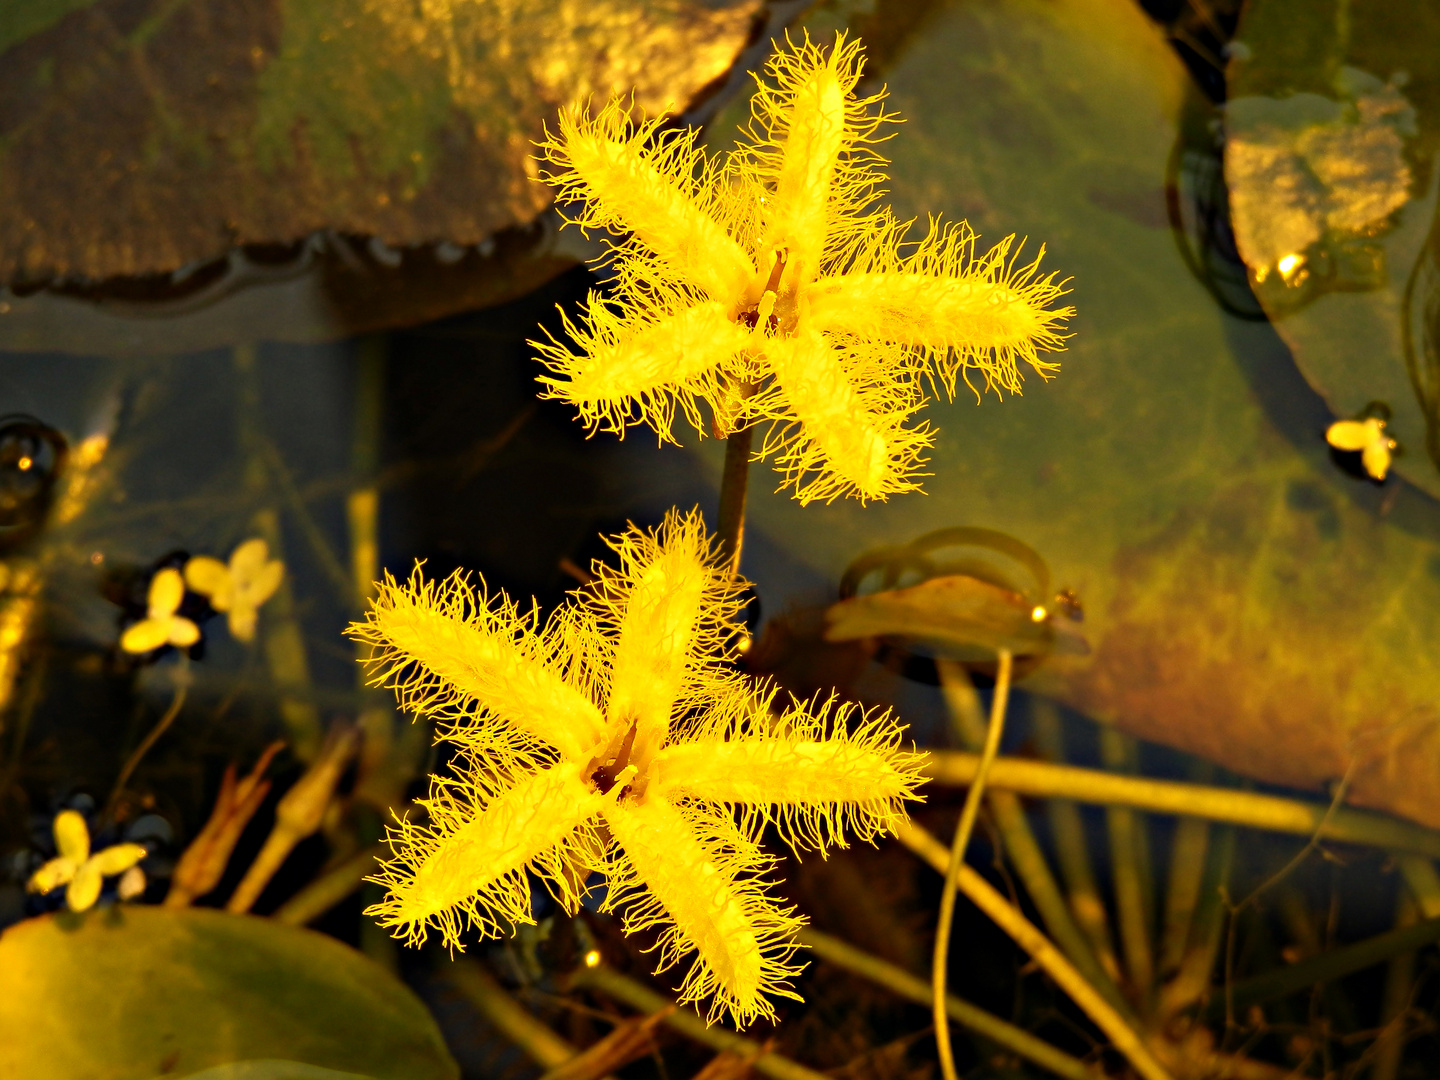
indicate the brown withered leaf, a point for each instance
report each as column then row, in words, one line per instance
column 140, row 136
column 628, row 1040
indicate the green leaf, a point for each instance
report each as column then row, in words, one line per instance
column 131, row 993
column 1331, row 134
column 141, row 138
column 1244, row 598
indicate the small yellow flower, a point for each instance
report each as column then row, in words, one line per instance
column 161, row 626
column 240, row 588
column 78, row 870
column 1377, row 448
column 615, row 738
column 773, row 266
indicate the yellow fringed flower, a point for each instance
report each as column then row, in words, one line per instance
column 614, row 737
column 773, row 268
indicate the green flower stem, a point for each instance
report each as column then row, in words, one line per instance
column 612, row 984
column 1269, row 812
column 1129, row 863
column 1021, row 847
column 734, row 479
column 956, row 862
column 330, row 887
column 1192, row 981
column 1423, row 881
column 1327, row 967
column 177, row 702
column 1072, row 845
column 896, row 979
column 1389, row 1046
column 1025, row 934
column 1182, row 892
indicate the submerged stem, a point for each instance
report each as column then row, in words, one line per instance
column 1005, row 915
column 133, row 761
column 733, row 482
column 988, row 1026
column 968, row 814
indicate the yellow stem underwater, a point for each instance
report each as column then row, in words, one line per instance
column 1025, row 934
column 968, row 814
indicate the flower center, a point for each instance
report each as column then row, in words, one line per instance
column 763, row 313
column 606, row 767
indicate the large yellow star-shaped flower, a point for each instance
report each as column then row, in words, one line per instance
column 617, row 739
column 774, row 268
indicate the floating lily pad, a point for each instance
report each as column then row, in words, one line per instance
column 1331, row 131
column 140, row 992
column 139, row 137
column 1244, row 598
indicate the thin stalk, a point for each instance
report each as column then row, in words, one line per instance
column 1311, row 845
column 988, row 1026
column 329, row 887
column 1423, row 882
column 1050, row 959
column 162, row 725
column 968, row 814
column 1073, row 845
column 1192, row 981
column 1389, row 1047
column 612, row 984
column 733, row 482
column 1127, row 836
column 1327, row 967
column 1182, row 893
column 1021, row 848
column 1273, row 813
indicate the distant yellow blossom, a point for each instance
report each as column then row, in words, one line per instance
column 774, row 268
column 615, row 738
column 78, row 870
column 1367, row 435
column 161, row 626
column 240, row 588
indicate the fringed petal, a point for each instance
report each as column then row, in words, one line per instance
column 633, row 178
column 671, row 607
column 965, row 312
column 841, row 415
column 443, row 648
column 630, row 367
column 689, row 870
column 810, row 146
column 466, row 867
column 818, row 772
